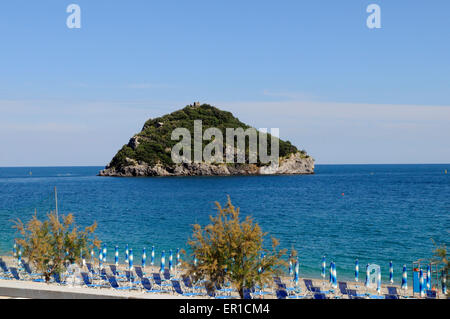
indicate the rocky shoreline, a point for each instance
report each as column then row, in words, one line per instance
column 293, row 164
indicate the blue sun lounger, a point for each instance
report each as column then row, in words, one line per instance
column 30, row 273
column 247, row 293
column 343, row 287
column 392, row 291
column 147, row 285
column 5, row 270
column 114, row 271
column 57, row 279
column 158, row 280
column 319, row 296
column 281, row 293
column 88, row 282
column 91, row 269
column 139, row 272
column 15, row 273
column 114, row 284
column 177, row 288
column 188, row 283
column 431, row 294
column 352, row 294
column 167, row 275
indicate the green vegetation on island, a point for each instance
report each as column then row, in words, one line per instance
column 153, row 144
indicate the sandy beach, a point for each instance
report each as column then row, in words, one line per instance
column 53, row 290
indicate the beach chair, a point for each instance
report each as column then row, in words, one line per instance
column 431, row 294
column 247, row 293
column 281, row 294
column 223, row 291
column 386, row 296
column 147, row 286
column 88, row 282
column 343, row 287
column 115, row 285
column 114, row 270
column 15, row 273
column 158, row 280
column 188, row 284
column 103, row 275
column 392, row 291
column 166, row 274
column 32, row 275
column 139, row 272
column 309, row 285
column 352, row 294
column 57, row 278
column 91, row 269
column 129, row 275
column 5, row 270
column 319, row 296
column 177, row 288
column 313, row 290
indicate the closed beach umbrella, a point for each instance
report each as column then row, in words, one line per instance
column 296, row 272
column 163, row 261
column 404, row 278
column 324, row 266
column 428, row 277
column 421, row 284
column 334, row 276
column 152, row 260
column 195, row 261
column 178, row 260
column 127, row 254
column 391, row 273
column 15, row 249
column 331, row 273
column 290, row 265
column 144, row 257
column 19, row 255
column 379, row 282
column 356, row 270
column 104, row 253
column 444, row 283
column 116, row 256
column 367, row 276
column 260, row 269
column 92, row 255
column 100, row 259
column 170, row 260
column 130, row 260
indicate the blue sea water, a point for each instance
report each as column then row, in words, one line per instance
column 375, row 213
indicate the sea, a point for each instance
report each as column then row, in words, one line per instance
column 373, row 213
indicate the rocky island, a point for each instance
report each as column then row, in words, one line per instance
column 148, row 153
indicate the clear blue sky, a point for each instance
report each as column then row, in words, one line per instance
column 345, row 93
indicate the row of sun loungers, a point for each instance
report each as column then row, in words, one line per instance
column 167, row 282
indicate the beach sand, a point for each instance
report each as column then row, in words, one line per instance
column 53, row 288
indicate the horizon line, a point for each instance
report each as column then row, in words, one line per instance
column 63, row 166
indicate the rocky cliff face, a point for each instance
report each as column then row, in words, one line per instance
column 294, row 164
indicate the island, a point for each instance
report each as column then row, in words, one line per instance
column 149, row 153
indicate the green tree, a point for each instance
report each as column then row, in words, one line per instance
column 440, row 252
column 229, row 249
column 49, row 244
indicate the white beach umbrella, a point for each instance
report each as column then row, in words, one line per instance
column 391, row 272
